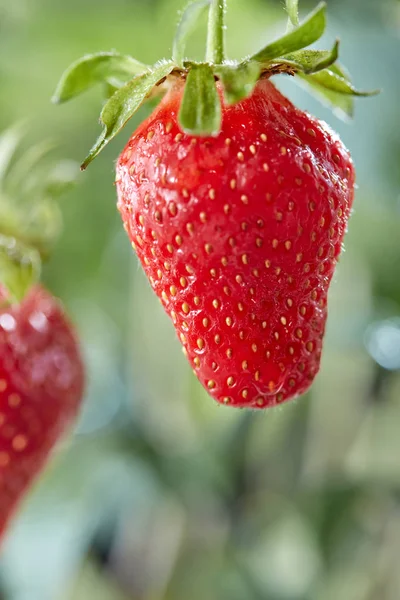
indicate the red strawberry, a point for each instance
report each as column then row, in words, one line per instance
column 235, row 201
column 41, row 386
column 239, row 236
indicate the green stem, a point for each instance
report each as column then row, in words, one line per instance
column 216, row 33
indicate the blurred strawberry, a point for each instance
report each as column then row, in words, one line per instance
column 41, row 386
column 41, row 370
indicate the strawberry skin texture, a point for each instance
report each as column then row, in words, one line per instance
column 41, row 387
column 239, row 236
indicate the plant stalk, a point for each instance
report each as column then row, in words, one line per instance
column 216, row 32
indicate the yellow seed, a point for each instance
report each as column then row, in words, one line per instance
column 229, row 352
column 178, row 240
column 254, row 347
column 228, row 321
column 190, row 228
column 227, row 291
column 310, row 346
column 208, row 248
column 245, row 393
column 217, row 338
column 196, row 361
column 227, row 209
column 224, row 261
column 215, row 303
column 289, row 302
column 244, row 259
column 189, row 269
column 239, row 279
column 183, row 282
column 240, row 156
column 264, row 324
column 186, row 308
column 279, row 216
column 268, row 264
column 167, row 266
column 253, row 149
column 205, row 322
column 196, row 300
column 211, row 384
column 288, row 244
column 311, row 132
column 245, row 365
column 291, row 350
column 211, row 194
column 283, row 150
column 213, row 272
column 276, row 335
column 257, row 376
column 259, row 242
column 233, row 184
column 283, row 320
column 200, row 344
column 170, row 248
column 266, row 167
column 14, row 400
column 240, row 307
column 203, row 217
column 244, row 199
column 299, row 333
column 275, row 243
column 299, row 257
column 263, row 137
column 230, row 381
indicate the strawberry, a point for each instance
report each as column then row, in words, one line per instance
column 41, row 370
column 239, row 236
column 235, row 201
column 41, row 385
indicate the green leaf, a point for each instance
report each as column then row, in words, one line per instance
column 102, row 67
column 200, row 112
column 311, row 61
column 187, row 24
column 292, row 9
column 19, row 267
column 61, row 179
column 306, row 34
column 238, row 80
column 9, row 141
column 124, row 103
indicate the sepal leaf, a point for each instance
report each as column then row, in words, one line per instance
column 341, row 104
column 292, row 10
column 238, row 80
column 19, row 267
column 102, row 67
column 332, row 81
column 200, row 113
column 312, row 61
column 187, row 24
column 124, row 103
column 306, row 34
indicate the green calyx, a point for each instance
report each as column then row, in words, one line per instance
column 128, row 83
column 30, row 218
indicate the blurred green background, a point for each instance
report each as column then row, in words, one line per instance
column 161, row 494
